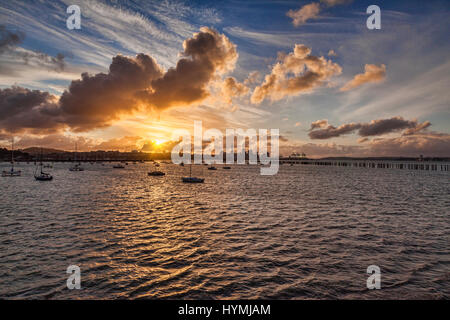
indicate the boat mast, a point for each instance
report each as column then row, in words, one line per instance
column 12, row 154
column 40, row 163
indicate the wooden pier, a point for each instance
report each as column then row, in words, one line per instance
column 371, row 164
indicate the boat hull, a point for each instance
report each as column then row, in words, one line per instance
column 11, row 173
column 43, row 178
column 192, row 180
column 156, row 173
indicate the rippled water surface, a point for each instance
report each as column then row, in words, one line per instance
column 306, row 233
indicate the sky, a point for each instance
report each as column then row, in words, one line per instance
column 138, row 70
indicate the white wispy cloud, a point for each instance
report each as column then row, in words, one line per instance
column 423, row 95
column 157, row 28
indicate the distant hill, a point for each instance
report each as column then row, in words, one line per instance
column 5, row 155
column 36, row 150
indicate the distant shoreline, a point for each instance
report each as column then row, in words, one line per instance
column 54, row 155
column 151, row 158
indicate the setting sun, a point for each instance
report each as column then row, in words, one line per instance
column 158, row 141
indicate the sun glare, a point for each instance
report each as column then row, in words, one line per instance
column 158, row 141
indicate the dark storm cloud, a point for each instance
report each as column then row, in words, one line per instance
column 93, row 101
column 332, row 132
column 131, row 84
column 205, row 54
column 96, row 100
column 28, row 110
column 373, row 128
column 380, row 127
column 9, row 42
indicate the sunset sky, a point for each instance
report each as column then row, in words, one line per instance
column 137, row 70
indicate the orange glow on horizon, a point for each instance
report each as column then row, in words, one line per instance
column 158, row 141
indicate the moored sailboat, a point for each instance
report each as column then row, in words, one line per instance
column 12, row 172
column 77, row 166
column 156, row 173
column 192, row 179
column 42, row 176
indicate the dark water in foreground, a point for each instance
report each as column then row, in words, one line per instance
column 306, row 233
